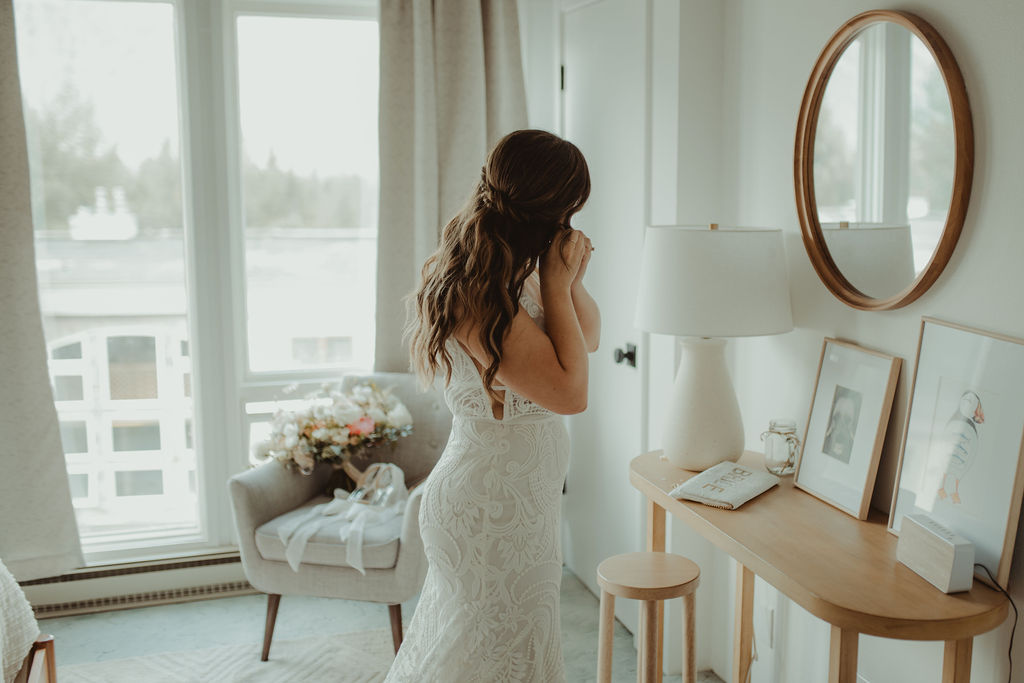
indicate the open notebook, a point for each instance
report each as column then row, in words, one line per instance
column 727, row 485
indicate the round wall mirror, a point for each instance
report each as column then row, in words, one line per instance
column 884, row 159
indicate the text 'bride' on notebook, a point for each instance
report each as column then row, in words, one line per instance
column 727, row 485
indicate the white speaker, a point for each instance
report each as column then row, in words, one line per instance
column 938, row 555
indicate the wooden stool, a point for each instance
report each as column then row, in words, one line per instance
column 651, row 578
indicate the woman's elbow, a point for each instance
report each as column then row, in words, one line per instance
column 573, row 404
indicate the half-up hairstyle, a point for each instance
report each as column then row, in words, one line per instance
column 532, row 183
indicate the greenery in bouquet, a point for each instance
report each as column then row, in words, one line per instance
column 335, row 426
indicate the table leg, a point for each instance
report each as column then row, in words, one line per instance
column 656, row 543
column 655, row 527
column 956, row 663
column 744, row 633
column 606, row 632
column 842, row 656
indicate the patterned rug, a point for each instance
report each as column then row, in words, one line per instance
column 358, row 657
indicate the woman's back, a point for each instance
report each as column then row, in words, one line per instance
column 465, row 393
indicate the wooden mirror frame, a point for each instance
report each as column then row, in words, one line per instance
column 963, row 132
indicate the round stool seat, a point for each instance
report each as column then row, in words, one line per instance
column 648, row 576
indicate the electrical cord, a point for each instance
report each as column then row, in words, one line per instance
column 1002, row 590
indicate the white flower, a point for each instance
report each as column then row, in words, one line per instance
column 377, row 415
column 362, row 392
column 261, row 451
column 291, row 435
column 344, row 413
column 321, row 434
column 399, row 416
column 340, row 435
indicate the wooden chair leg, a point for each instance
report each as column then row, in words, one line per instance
column 648, row 650
column 41, row 664
column 273, row 600
column 690, row 638
column 396, row 625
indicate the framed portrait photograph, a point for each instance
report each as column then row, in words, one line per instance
column 850, row 409
column 960, row 462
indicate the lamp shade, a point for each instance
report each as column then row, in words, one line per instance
column 698, row 282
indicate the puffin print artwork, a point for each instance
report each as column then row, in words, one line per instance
column 956, row 443
column 962, row 460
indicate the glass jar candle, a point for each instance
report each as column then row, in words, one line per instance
column 780, row 446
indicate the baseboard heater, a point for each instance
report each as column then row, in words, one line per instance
column 138, row 584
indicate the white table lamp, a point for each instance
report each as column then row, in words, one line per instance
column 702, row 284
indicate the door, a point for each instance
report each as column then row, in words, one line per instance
column 604, row 56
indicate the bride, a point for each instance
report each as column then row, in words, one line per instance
column 511, row 343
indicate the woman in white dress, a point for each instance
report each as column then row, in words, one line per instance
column 512, row 347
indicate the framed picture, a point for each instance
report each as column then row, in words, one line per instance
column 960, row 462
column 846, row 426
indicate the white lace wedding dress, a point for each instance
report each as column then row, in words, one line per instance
column 490, row 519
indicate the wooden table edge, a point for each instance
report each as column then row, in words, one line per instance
column 843, row 617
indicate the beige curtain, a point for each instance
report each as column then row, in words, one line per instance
column 38, row 534
column 451, row 85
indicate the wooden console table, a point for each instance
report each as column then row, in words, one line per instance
column 839, row 569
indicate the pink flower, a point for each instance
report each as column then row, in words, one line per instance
column 363, row 425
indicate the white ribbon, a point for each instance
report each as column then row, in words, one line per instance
column 356, row 519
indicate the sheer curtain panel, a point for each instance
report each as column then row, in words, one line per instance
column 38, row 533
column 451, row 85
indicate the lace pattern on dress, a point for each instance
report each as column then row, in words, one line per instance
column 490, row 519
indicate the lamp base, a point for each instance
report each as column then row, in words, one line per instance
column 704, row 426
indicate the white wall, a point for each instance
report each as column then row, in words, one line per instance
column 770, row 50
column 742, row 68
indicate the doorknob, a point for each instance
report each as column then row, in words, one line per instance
column 629, row 355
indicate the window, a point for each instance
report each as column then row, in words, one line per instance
column 74, row 436
column 309, row 182
column 132, row 363
column 67, row 352
column 140, row 483
column 225, row 249
column 79, row 486
column 68, row 388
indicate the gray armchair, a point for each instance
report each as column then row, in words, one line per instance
column 267, row 496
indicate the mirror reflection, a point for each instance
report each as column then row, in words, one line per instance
column 884, row 156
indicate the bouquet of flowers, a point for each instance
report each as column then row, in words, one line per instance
column 335, row 426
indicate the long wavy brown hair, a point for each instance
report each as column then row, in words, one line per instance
column 532, row 184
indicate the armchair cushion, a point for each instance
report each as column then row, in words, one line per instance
column 325, row 546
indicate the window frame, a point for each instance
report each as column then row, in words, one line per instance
column 209, row 128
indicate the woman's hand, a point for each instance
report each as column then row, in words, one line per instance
column 560, row 264
column 588, row 249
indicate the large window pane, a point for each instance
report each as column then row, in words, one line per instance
column 308, row 113
column 102, row 117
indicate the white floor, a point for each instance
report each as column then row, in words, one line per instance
column 225, row 621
